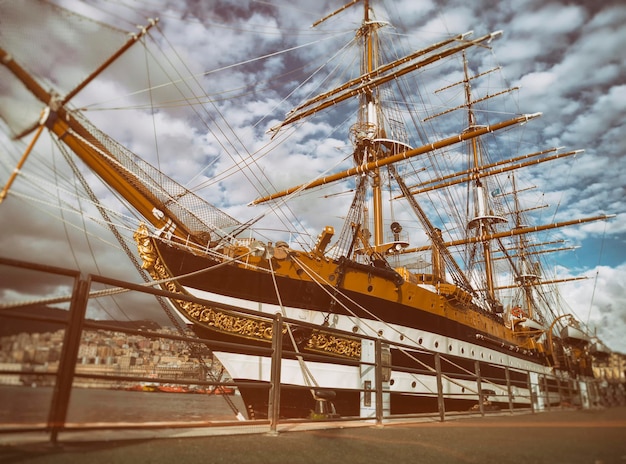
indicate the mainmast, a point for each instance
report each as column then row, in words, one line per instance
column 367, row 127
column 483, row 218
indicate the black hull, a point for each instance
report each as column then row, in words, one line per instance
column 297, row 403
column 232, row 281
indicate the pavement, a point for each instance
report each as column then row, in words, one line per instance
column 568, row 436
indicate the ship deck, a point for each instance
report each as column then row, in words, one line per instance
column 560, row 435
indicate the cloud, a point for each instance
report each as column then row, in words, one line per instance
column 565, row 56
column 598, row 302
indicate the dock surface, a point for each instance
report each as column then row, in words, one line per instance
column 596, row 436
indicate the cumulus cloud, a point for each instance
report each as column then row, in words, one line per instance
column 598, row 300
column 564, row 56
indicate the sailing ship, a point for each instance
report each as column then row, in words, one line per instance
column 438, row 289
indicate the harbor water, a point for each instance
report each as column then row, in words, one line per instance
column 23, row 406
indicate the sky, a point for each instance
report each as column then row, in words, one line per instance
column 566, row 56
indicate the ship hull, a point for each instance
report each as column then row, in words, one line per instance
column 410, row 394
column 412, row 386
column 310, row 302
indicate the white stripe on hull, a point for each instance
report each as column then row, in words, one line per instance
column 335, row 376
column 420, row 339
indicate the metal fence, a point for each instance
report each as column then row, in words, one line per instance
column 539, row 392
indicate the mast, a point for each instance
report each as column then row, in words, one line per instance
column 529, row 275
column 483, row 218
column 367, row 127
column 401, row 152
column 514, row 232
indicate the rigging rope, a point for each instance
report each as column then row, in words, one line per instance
column 308, row 377
column 595, row 282
column 320, row 282
column 247, row 161
column 103, row 213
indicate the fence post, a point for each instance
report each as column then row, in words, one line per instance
column 508, row 387
column 378, row 376
column 546, row 389
column 274, row 393
column 570, row 396
column 479, row 385
column 69, row 353
column 440, row 403
column 531, row 394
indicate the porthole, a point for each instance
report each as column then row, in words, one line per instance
column 436, row 344
column 370, row 288
column 299, row 272
column 413, row 384
column 355, row 329
column 391, row 382
column 490, row 357
column 420, row 340
column 331, row 277
column 401, row 337
column 462, row 350
column 380, row 333
column 482, row 355
column 473, row 353
column 449, row 347
column 462, row 389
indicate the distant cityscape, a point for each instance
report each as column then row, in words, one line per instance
column 33, row 356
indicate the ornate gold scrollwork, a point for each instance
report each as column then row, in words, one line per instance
column 145, row 248
column 327, row 343
column 216, row 319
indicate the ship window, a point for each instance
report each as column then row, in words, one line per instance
column 462, row 350
column 380, row 333
column 420, row 340
column 370, row 288
column 401, row 337
column 449, row 347
column 391, row 382
column 472, row 352
column 436, row 344
column 413, row 384
column 355, row 329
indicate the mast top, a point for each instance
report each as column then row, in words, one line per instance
column 345, row 7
